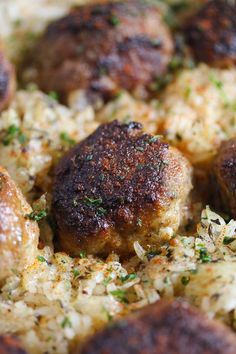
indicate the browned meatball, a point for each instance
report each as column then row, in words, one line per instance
column 164, row 328
column 10, row 345
column 7, row 80
column 118, row 186
column 18, row 234
column 102, row 48
column 211, row 33
column 224, row 175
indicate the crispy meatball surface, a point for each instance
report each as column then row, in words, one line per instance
column 102, row 48
column 211, row 33
column 10, row 345
column 7, row 80
column 224, row 175
column 18, row 234
column 118, row 186
column 165, row 327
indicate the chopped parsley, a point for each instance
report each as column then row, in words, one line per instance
column 66, row 323
column 66, row 139
column 95, row 203
column 228, row 240
column 204, row 256
column 120, row 295
column 13, row 132
column 101, row 211
column 140, row 148
column 128, row 277
column 53, row 95
column 89, row 157
column 154, row 138
column 92, row 201
column 176, row 63
column 185, row 280
column 107, row 280
column 220, row 87
column 139, row 222
column 114, row 20
column 41, row 259
column 82, row 254
column 76, row 272
column 37, row 215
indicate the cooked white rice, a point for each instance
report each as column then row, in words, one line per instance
column 35, row 131
column 198, row 111
column 58, row 301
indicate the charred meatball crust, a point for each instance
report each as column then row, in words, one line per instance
column 102, row 48
column 164, row 328
column 118, row 186
column 10, row 345
column 211, row 33
column 224, row 178
column 7, row 81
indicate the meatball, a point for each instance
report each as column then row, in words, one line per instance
column 211, row 33
column 7, row 80
column 10, row 345
column 117, row 186
column 18, row 234
column 102, row 48
column 224, row 178
column 165, row 327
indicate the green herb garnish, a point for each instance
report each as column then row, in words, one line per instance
column 66, row 323
column 66, row 139
column 228, row 240
column 204, row 256
column 92, row 201
column 185, row 280
column 114, row 20
column 37, row 215
column 82, row 254
column 154, row 138
column 120, row 295
column 75, row 272
column 128, row 277
column 53, row 95
column 41, row 259
column 139, row 222
column 13, row 132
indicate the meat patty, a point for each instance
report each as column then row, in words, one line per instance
column 7, row 80
column 102, row 48
column 165, row 327
column 18, row 234
column 10, row 345
column 211, row 33
column 118, row 186
column 224, row 175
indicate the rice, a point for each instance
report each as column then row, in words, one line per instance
column 125, row 108
column 35, row 131
column 198, row 111
column 59, row 301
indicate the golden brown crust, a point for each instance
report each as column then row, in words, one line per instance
column 211, row 33
column 103, row 48
column 165, row 327
column 10, row 345
column 18, row 234
column 224, row 178
column 113, row 189
column 7, row 81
